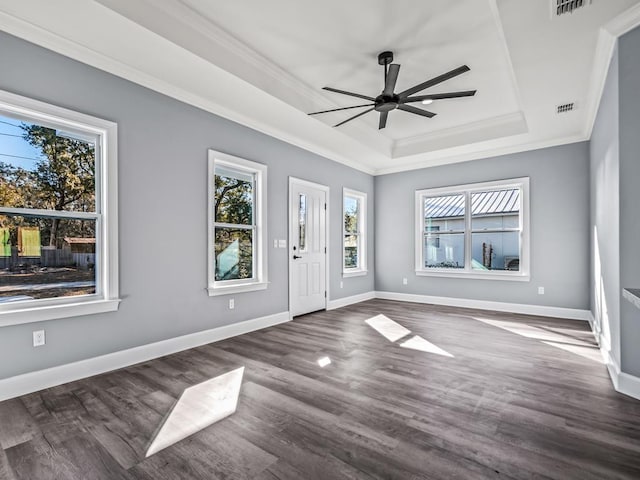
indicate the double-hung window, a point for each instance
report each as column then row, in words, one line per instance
column 237, row 224
column 58, row 207
column 354, row 233
column 477, row 231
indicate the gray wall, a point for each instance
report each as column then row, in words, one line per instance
column 559, row 194
column 604, row 230
column 163, row 196
column 629, row 83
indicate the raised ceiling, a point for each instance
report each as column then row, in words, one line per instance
column 264, row 65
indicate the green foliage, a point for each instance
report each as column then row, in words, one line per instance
column 233, row 202
column 233, row 247
column 63, row 179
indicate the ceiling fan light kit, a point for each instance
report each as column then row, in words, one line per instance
column 388, row 100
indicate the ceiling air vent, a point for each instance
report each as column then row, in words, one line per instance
column 565, row 107
column 568, row 6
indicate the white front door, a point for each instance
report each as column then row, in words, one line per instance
column 307, row 246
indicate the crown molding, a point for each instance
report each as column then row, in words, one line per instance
column 607, row 39
column 473, row 132
column 32, row 32
column 185, row 26
column 481, row 154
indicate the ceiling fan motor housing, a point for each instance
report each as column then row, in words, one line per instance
column 386, row 103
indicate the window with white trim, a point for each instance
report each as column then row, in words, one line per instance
column 354, row 230
column 237, row 224
column 479, row 230
column 58, row 207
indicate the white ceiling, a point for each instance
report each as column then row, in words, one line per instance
column 264, row 65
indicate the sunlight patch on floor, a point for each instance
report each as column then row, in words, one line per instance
column 393, row 331
column 561, row 339
column 324, row 361
column 199, row 407
column 386, row 327
column 419, row 343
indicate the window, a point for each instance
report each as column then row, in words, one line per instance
column 237, row 222
column 478, row 231
column 354, row 233
column 58, row 224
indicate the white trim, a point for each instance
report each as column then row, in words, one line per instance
column 38, row 380
column 607, row 40
column 260, row 278
column 622, row 382
column 354, row 273
column 240, row 288
column 106, row 212
column 521, row 183
column 538, row 310
column 62, row 310
column 345, row 301
column 327, row 222
column 361, row 198
column 629, row 385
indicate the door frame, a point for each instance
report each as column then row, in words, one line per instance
column 326, row 189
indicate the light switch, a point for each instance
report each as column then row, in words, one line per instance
column 282, row 243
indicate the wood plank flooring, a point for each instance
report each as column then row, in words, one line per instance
column 518, row 399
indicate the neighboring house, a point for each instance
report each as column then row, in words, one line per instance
column 83, row 251
column 494, row 245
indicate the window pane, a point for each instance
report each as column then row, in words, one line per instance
column 234, row 254
column 44, row 168
column 351, row 212
column 445, row 213
column 302, row 222
column 351, row 251
column 495, row 209
column 444, row 250
column 46, row 258
column 234, row 197
column 496, row 251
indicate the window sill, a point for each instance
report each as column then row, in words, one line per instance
column 354, row 273
column 30, row 314
column 520, row 277
column 230, row 289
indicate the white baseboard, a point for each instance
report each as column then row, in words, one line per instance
column 343, row 302
column 540, row 310
column 629, row 385
column 622, row 382
column 34, row 381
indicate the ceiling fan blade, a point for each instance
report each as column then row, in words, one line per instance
column 434, row 81
column 343, row 108
column 351, row 94
column 354, row 117
column 417, row 111
column 383, row 120
column 439, row 96
column 392, row 78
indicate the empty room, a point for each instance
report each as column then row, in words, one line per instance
column 297, row 240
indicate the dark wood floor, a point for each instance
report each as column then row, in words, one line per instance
column 506, row 405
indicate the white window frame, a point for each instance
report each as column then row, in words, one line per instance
column 259, row 280
column 106, row 215
column 468, row 272
column 361, row 269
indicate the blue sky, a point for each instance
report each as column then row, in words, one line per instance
column 13, row 146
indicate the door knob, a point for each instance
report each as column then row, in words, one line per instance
column 295, row 257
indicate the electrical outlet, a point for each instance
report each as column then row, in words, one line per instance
column 404, row 281
column 341, row 284
column 275, row 243
column 282, row 243
column 38, row 338
column 540, row 290
column 232, row 304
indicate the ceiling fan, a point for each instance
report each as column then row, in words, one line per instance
column 388, row 100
